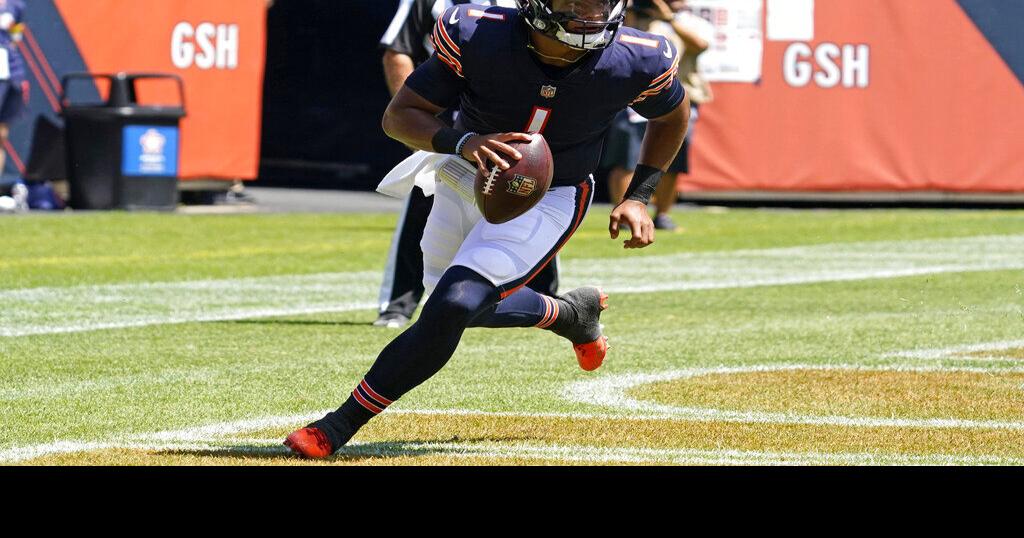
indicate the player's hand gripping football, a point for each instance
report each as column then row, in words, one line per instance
column 490, row 147
column 634, row 215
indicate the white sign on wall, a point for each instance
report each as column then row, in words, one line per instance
column 790, row 20
column 737, row 49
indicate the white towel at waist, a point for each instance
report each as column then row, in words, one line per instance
column 424, row 169
column 419, row 169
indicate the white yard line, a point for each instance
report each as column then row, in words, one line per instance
column 800, row 265
column 88, row 308
column 184, row 435
column 953, row 352
column 532, row 451
column 52, row 310
column 573, row 453
column 594, row 454
column 611, row 392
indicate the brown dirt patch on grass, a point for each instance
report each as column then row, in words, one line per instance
column 853, row 393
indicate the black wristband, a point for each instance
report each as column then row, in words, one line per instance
column 645, row 182
column 446, row 139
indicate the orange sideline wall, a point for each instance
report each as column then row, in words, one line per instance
column 217, row 47
column 933, row 107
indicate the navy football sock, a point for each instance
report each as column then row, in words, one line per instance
column 416, row 354
column 524, row 308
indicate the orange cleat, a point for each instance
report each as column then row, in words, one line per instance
column 309, row 442
column 586, row 336
column 590, row 356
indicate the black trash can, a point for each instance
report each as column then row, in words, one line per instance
column 122, row 155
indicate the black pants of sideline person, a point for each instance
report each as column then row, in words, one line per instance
column 402, row 289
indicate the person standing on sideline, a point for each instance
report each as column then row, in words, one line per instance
column 13, row 82
column 691, row 35
column 407, row 43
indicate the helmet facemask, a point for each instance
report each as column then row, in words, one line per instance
column 579, row 24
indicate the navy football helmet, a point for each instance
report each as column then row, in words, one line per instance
column 580, row 24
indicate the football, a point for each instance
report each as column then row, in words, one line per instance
column 503, row 195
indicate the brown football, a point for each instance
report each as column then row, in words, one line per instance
column 503, row 195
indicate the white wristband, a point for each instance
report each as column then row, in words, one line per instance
column 462, row 142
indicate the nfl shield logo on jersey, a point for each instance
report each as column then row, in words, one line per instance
column 548, row 91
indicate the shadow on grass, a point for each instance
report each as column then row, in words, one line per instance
column 362, row 452
column 309, row 322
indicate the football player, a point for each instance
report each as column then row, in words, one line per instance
column 14, row 85
column 408, row 43
column 563, row 68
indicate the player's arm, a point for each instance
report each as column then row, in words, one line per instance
column 693, row 42
column 664, row 137
column 403, row 41
column 667, row 107
column 397, row 68
column 662, row 140
column 411, row 117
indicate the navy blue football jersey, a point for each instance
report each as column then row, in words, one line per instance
column 483, row 65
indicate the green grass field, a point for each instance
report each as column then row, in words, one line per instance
column 753, row 337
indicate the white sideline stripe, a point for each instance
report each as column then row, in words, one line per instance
column 831, row 262
column 599, row 454
column 951, row 352
column 593, row 454
column 87, row 308
column 191, row 318
column 52, row 310
column 185, row 435
column 218, row 430
column 566, row 453
column 610, row 391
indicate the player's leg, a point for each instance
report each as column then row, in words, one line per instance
column 409, row 360
column 493, row 261
column 457, row 295
column 13, row 102
column 10, row 108
column 618, row 182
column 402, row 287
column 667, row 193
column 512, row 254
column 575, row 316
column 665, row 198
column 4, row 133
column 622, row 150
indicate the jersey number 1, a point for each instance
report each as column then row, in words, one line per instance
column 538, row 120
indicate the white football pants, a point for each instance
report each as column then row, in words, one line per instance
column 507, row 254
